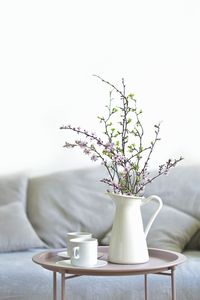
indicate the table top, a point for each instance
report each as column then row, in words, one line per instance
column 160, row 260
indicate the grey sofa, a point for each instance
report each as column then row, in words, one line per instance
column 36, row 214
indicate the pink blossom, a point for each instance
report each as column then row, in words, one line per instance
column 68, row 145
column 81, row 144
column 94, row 157
column 86, row 151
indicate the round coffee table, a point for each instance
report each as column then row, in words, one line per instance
column 161, row 262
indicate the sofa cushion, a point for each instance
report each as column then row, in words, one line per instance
column 171, row 230
column 194, row 243
column 69, row 201
column 13, row 188
column 16, row 232
column 180, row 189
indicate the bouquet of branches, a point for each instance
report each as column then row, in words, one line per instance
column 121, row 149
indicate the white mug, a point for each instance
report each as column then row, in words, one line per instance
column 73, row 235
column 84, row 252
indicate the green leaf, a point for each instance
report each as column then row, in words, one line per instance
column 131, row 96
column 114, row 110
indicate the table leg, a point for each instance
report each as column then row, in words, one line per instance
column 145, row 287
column 173, row 283
column 62, row 286
column 54, row 286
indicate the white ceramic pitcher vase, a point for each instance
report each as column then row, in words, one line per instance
column 128, row 238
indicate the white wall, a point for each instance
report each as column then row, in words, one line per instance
column 49, row 51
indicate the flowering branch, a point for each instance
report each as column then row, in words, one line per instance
column 122, row 152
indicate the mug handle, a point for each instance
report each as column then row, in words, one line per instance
column 145, row 201
column 76, row 253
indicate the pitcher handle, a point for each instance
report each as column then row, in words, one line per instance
column 145, row 201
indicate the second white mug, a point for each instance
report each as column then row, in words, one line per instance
column 73, row 235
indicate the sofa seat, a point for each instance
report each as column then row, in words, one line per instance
column 29, row 281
